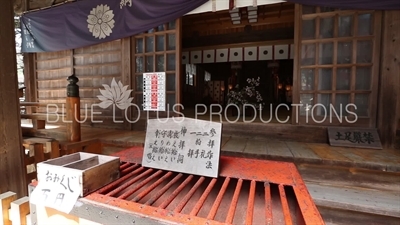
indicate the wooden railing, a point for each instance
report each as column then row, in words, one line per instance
column 38, row 150
column 41, row 149
column 39, row 119
column 14, row 211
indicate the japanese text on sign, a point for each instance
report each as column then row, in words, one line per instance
column 154, row 91
column 58, row 189
column 191, row 146
column 354, row 137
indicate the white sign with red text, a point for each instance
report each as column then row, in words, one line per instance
column 154, row 91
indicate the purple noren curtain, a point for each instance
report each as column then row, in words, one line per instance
column 89, row 22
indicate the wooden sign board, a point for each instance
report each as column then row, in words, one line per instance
column 354, row 137
column 183, row 145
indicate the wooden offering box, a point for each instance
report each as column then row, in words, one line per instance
column 94, row 170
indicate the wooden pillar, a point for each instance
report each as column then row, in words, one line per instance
column 73, row 110
column 389, row 78
column 12, row 168
column 30, row 78
column 127, row 78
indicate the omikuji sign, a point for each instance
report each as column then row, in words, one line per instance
column 183, row 145
column 58, row 188
column 154, row 91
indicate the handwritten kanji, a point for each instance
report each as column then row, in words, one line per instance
column 176, row 134
column 202, row 154
column 154, row 150
column 198, row 141
column 212, row 132
column 209, row 154
column 180, row 158
column 210, row 143
column 183, row 131
column 59, row 198
column 181, row 144
column 170, row 134
column 190, row 153
column 45, row 191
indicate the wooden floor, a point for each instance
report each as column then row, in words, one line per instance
column 316, row 153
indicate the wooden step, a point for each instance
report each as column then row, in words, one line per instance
column 353, row 196
column 335, row 216
column 347, row 176
column 372, row 201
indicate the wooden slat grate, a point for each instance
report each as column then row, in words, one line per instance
column 232, row 199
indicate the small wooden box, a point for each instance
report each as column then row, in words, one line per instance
column 95, row 171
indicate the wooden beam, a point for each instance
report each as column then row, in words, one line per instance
column 227, row 24
column 296, row 62
column 252, row 36
column 390, row 78
column 126, row 77
column 12, row 169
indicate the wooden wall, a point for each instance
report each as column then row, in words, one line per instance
column 52, row 69
column 94, row 66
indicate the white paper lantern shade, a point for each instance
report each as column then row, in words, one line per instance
column 195, row 57
column 265, row 53
column 208, row 56
column 281, row 52
column 250, row 53
column 221, row 55
column 235, row 54
column 185, row 57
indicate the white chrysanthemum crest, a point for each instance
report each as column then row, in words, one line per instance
column 116, row 94
column 100, row 21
